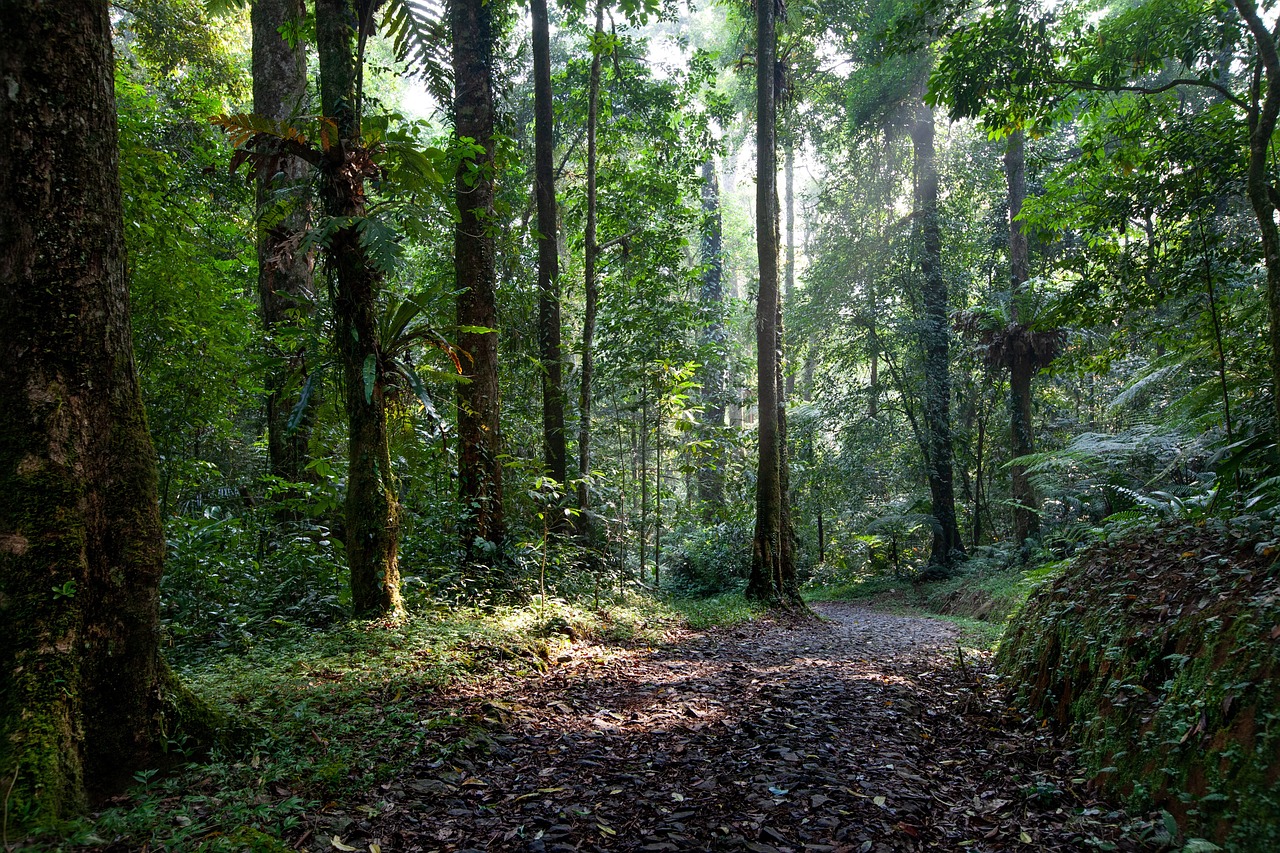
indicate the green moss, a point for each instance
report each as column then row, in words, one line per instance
column 1165, row 671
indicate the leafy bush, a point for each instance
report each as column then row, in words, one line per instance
column 708, row 561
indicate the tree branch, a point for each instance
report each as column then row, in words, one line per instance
column 1086, row 86
column 622, row 240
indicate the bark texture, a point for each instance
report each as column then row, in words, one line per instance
column 482, row 525
column 372, row 507
column 772, row 576
column 591, row 287
column 948, row 548
column 84, row 694
column 553, row 398
column 286, row 290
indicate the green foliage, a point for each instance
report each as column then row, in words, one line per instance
column 1158, row 653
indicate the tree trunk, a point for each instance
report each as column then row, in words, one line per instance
column 769, row 569
column 788, row 173
column 711, row 302
column 553, row 399
column 84, row 695
column 479, row 436
column 1022, row 368
column 372, row 535
column 286, row 290
column 644, row 472
column 948, row 547
column 1263, row 114
column 591, row 288
column 657, row 496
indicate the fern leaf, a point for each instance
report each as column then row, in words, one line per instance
column 241, row 128
column 419, row 34
column 380, row 243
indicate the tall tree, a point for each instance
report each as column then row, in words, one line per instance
column 372, row 506
column 286, row 290
column 479, row 436
column 772, row 576
column 789, row 208
column 1023, row 350
column 84, row 695
column 935, row 335
column 711, row 304
column 591, row 288
column 553, row 397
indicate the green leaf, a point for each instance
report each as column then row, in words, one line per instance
column 370, row 376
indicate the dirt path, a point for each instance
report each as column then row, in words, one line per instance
column 860, row 733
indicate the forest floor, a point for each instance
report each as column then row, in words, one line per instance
column 860, row 731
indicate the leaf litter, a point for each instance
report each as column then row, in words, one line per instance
column 862, row 732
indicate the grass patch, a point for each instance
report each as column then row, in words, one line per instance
column 319, row 716
column 730, row 608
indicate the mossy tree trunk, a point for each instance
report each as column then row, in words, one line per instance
column 83, row 691
column 948, row 547
column 372, row 508
column 479, row 437
column 286, row 288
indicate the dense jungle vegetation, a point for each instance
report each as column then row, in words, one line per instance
column 362, row 352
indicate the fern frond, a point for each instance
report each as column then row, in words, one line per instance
column 241, row 128
column 419, row 33
column 381, row 243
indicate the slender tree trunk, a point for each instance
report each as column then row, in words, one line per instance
column 85, row 699
column 657, row 496
column 553, row 398
column 768, row 581
column 591, row 291
column 788, row 173
column 1026, row 519
column 372, row 535
column 483, row 525
column 711, row 303
column 644, row 472
column 286, row 289
column 947, row 544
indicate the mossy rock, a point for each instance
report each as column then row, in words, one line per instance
column 1161, row 655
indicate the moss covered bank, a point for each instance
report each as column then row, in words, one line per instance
column 1161, row 653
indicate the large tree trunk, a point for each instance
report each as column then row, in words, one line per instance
column 772, row 576
column 372, row 535
column 711, row 304
column 84, row 694
column 1022, row 365
column 935, row 333
column 591, row 289
column 286, row 290
column 553, row 400
column 479, row 436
